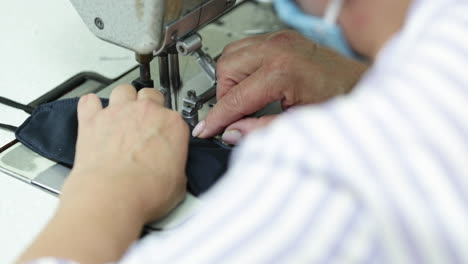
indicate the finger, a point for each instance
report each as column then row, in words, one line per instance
column 238, row 130
column 234, row 67
column 246, row 98
column 122, row 94
column 88, row 106
column 248, row 41
column 151, row 94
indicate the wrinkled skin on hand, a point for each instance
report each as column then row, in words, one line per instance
column 284, row 66
column 132, row 154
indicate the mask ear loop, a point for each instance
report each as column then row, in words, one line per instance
column 8, row 127
column 5, row 101
column 333, row 12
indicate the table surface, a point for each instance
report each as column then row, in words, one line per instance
column 43, row 44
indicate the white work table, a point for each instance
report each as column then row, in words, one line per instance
column 43, row 43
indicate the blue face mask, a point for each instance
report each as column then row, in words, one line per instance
column 324, row 31
column 52, row 129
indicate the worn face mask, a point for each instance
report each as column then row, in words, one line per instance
column 324, row 31
column 52, row 128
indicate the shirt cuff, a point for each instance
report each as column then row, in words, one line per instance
column 51, row 261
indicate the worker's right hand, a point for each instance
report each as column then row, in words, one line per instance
column 131, row 154
column 284, row 66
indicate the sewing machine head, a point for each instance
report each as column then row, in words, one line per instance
column 158, row 27
column 148, row 26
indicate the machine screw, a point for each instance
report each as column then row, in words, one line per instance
column 181, row 49
column 99, row 23
column 191, row 94
column 174, row 35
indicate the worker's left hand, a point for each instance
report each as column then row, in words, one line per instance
column 281, row 66
column 131, row 154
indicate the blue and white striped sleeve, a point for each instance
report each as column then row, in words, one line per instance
column 278, row 204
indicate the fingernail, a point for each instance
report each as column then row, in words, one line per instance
column 232, row 136
column 84, row 98
column 198, row 129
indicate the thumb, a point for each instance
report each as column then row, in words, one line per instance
column 238, row 130
column 88, row 106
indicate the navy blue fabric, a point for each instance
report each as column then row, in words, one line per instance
column 207, row 161
column 52, row 130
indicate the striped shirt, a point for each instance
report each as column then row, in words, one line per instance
column 377, row 176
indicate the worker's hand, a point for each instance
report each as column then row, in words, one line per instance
column 259, row 70
column 131, row 154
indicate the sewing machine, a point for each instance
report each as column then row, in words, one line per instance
column 161, row 28
column 189, row 88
